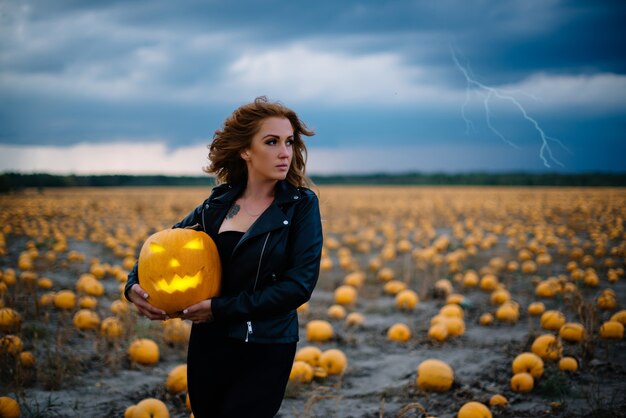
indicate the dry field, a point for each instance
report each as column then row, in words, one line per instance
column 470, row 276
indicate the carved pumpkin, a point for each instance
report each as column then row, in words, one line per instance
column 179, row 268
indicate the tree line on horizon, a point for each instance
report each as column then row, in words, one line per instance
column 19, row 181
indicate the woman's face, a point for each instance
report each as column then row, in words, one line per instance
column 271, row 150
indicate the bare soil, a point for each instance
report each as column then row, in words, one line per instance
column 78, row 374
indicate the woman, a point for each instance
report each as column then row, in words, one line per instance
column 266, row 224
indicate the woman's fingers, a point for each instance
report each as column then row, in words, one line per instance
column 138, row 297
column 200, row 312
column 137, row 290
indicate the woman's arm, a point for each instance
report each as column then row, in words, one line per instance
column 297, row 282
column 133, row 291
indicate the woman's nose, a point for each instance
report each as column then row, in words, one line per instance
column 283, row 151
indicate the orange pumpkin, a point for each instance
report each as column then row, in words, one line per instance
column 334, row 361
column 150, row 408
column 179, row 268
column 522, row 382
column 434, row 375
column 10, row 320
column 177, row 379
column 301, row 372
column 9, row 407
column 529, row 363
column 309, row 354
column 498, row 400
column 144, row 351
column 474, row 410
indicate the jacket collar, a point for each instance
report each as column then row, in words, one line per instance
column 273, row 218
column 284, row 192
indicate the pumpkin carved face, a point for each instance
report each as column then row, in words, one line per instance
column 178, row 268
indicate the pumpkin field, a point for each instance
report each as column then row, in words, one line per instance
column 431, row 301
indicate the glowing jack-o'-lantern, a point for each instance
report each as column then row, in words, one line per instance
column 178, row 268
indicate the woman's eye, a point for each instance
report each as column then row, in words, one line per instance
column 271, row 142
column 290, row 142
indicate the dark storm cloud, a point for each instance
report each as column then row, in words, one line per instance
column 361, row 71
column 500, row 37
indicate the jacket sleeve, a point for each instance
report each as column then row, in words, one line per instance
column 194, row 218
column 297, row 282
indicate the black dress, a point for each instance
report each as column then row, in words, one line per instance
column 232, row 378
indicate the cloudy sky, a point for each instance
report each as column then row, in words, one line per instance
column 389, row 86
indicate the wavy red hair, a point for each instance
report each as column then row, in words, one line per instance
column 236, row 135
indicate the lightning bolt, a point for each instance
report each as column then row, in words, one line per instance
column 488, row 94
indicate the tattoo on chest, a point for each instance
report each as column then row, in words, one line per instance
column 234, row 209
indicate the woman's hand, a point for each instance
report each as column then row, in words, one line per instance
column 200, row 312
column 138, row 296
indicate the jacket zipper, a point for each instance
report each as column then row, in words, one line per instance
column 258, row 270
column 202, row 214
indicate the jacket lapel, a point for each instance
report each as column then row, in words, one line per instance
column 273, row 217
column 218, row 206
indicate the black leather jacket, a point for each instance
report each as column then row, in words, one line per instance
column 274, row 268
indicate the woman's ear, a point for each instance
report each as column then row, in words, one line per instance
column 245, row 156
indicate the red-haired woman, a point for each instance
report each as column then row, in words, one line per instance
column 266, row 223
